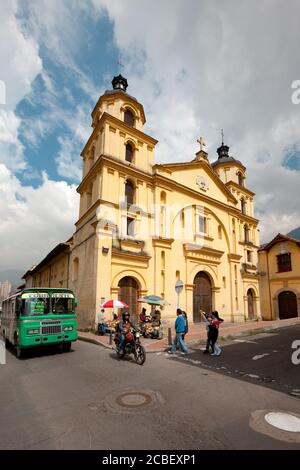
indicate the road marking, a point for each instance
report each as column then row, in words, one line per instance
column 260, row 356
column 244, row 341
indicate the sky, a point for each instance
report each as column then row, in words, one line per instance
column 196, row 65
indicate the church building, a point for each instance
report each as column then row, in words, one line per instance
column 143, row 226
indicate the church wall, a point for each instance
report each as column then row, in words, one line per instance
column 54, row 274
column 83, row 279
column 162, row 255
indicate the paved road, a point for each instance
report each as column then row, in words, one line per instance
column 264, row 359
column 75, row 400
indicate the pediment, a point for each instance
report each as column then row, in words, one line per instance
column 199, row 176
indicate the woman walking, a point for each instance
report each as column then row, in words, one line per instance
column 205, row 317
column 179, row 330
column 219, row 320
column 213, row 333
column 186, row 324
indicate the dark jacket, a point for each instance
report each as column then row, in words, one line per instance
column 186, row 324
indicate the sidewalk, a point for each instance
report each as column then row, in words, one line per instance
column 197, row 333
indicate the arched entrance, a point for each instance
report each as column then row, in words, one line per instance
column 287, row 303
column 251, row 304
column 202, row 295
column 129, row 293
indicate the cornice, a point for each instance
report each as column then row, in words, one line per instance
column 240, row 188
column 108, row 118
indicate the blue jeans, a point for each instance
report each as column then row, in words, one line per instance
column 121, row 342
column 217, row 349
column 178, row 339
column 101, row 328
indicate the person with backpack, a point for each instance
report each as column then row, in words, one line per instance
column 186, row 324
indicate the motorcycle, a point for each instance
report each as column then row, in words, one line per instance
column 132, row 346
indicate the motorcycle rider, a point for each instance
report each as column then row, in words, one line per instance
column 123, row 327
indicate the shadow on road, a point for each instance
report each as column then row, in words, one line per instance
column 39, row 351
column 263, row 360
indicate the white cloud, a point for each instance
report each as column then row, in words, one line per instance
column 20, row 64
column 68, row 160
column 196, row 66
column 11, row 149
column 33, row 220
column 200, row 66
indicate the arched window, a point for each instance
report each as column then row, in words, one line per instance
column 129, row 118
column 163, row 265
column 89, row 195
column 220, row 232
column 243, row 206
column 246, row 234
column 182, row 216
column 163, row 260
column 129, row 193
column 163, row 200
column 129, row 153
column 241, row 179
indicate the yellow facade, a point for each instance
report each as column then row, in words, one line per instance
column 279, row 269
column 179, row 220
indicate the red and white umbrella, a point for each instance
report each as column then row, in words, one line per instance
column 114, row 304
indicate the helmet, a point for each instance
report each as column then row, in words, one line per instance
column 125, row 315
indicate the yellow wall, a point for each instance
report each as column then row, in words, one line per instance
column 272, row 282
column 54, row 274
column 99, row 259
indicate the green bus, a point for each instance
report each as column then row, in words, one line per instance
column 39, row 316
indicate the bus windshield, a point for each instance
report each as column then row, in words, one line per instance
column 62, row 303
column 35, row 303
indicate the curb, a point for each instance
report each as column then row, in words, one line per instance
column 196, row 342
column 107, row 346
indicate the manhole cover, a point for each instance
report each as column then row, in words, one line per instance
column 281, row 425
column 133, row 399
column 283, row 421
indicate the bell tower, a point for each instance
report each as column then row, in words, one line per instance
column 118, row 136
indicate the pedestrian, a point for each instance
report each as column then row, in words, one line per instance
column 206, row 350
column 186, row 323
column 218, row 320
column 213, row 332
column 143, row 315
column 179, row 330
column 101, row 323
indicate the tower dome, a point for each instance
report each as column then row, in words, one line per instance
column 119, row 83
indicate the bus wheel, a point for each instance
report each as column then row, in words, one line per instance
column 66, row 347
column 19, row 351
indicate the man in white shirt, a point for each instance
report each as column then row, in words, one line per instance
column 101, row 322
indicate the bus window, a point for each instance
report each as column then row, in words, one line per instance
column 35, row 303
column 18, row 305
column 63, row 303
